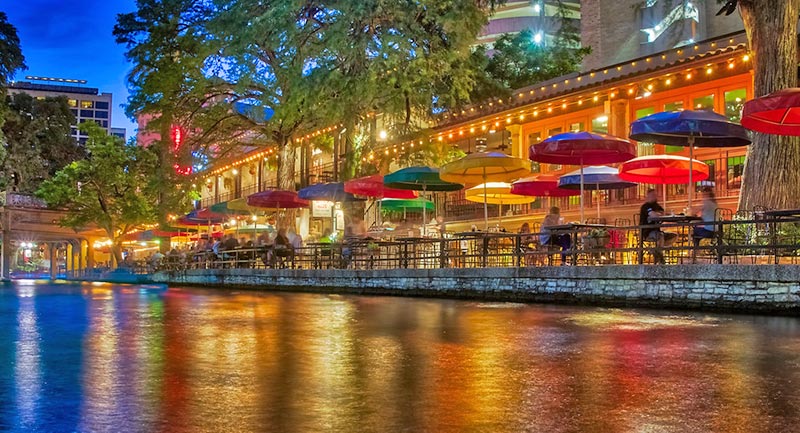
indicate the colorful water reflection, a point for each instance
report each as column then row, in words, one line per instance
column 98, row 357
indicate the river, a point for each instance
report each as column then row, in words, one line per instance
column 105, row 358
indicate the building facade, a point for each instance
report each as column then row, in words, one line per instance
column 711, row 75
column 648, row 57
column 88, row 104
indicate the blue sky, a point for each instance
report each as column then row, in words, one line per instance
column 72, row 39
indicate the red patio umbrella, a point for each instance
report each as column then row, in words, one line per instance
column 372, row 186
column 777, row 113
column 543, row 185
column 582, row 148
column 207, row 214
column 276, row 199
column 663, row 170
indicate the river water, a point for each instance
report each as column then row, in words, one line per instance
column 105, row 358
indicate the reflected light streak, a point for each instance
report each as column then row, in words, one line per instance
column 27, row 369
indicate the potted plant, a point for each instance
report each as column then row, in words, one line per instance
column 597, row 238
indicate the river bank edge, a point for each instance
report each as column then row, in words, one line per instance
column 773, row 289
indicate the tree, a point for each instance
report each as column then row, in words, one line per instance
column 167, row 47
column 403, row 60
column 37, row 141
column 517, row 61
column 772, row 166
column 11, row 61
column 11, row 58
column 112, row 189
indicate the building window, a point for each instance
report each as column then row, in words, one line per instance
column 704, row 103
column 576, row 127
column 642, row 112
column 72, row 102
column 87, row 104
column 74, row 112
column 674, row 106
column 734, row 101
column 735, row 170
column 553, row 131
column 712, row 174
column 600, row 124
column 104, row 123
column 101, row 105
column 101, row 114
column 87, row 113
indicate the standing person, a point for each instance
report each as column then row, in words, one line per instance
column 441, row 225
column 563, row 240
column 707, row 213
column 648, row 213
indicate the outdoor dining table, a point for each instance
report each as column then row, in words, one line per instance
column 783, row 213
column 679, row 221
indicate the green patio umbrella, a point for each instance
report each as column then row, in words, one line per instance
column 226, row 208
column 419, row 179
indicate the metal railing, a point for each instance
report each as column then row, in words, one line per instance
column 759, row 241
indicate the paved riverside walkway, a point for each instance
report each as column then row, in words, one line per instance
column 740, row 288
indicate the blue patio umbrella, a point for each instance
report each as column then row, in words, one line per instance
column 331, row 191
column 689, row 129
column 595, row 178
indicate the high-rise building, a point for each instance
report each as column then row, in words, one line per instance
column 616, row 31
column 120, row 132
column 542, row 17
column 86, row 103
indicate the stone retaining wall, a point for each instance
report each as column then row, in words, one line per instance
column 751, row 288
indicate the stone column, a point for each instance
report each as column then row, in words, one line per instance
column 51, row 249
column 7, row 249
column 618, row 112
column 89, row 254
column 81, row 264
column 517, row 144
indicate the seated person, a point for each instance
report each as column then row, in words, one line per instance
column 527, row 242
column 563, row 240
column 707, row 214
column 649, row 210
column 282, row 248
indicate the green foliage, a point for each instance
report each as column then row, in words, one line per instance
column 314, row 63
column 517, row 61
column 11, row 58
column 113, row 188
column 37, row 141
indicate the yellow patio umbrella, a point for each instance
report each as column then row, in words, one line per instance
column 498, row 193
column 482, row 167
column 241, row 204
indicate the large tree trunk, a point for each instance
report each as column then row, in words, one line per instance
column 286, row 181
column 772, row 169
column 116, row 253
column 352, row 149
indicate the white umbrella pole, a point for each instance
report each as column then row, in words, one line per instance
column 485, row 205
column 500, row 214
column 597, row 194
column 424, row 212
column 582, row 220
column 691, row 169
